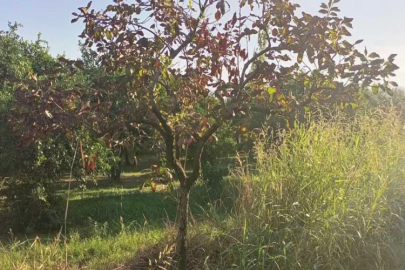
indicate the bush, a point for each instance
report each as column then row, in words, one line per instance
column 215, row 160
column 32, row 206
column 213, row 176
column 31, row 199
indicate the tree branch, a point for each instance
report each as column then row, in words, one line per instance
column 198, row 152
column 243, row 80
column 191, row 35
column 251, row 60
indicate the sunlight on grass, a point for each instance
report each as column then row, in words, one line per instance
column 96, row 252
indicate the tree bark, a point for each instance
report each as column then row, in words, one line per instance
column 182, row 227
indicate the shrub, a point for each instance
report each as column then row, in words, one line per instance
column 31, row 198
column 213, row 176
column 215, row 160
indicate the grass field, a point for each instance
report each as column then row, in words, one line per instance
column 106, row 224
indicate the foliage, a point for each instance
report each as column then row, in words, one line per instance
column 330, row 196
column 383, row 100
column 213, row 175
column 18, row 59
column 31, row 169
column 121, row 53
column 31, row 202
column 303, row 205
column 34, row 170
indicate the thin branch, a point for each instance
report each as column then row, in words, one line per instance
column 254, row 58
column 176, row 139
column 191, row 35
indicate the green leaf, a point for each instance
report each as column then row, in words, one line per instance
column 389, row 91
column 271, row 91
column 354, row 105
column 307, row 81
column 391, row 57
column 300, row 57
column 375, row 89
column 108, row 34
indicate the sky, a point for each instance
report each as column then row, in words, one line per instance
column 380, row 23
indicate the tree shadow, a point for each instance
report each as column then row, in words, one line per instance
column 133, row 209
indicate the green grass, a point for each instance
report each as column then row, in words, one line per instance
column 100, row 251
column 107, row 226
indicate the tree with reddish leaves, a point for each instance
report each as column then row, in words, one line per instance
column 169, row 55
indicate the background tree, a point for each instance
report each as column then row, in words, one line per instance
column 174, row 55
column 18, row 59
column 30, row 170
column 34, row 169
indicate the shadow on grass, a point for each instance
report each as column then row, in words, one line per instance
column 109, row 207
column 134, row 209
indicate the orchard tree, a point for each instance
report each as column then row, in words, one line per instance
column 174, row 54
column 33, row 170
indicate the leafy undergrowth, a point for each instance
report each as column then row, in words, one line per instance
column 330, row 196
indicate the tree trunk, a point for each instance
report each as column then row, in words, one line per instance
column 116, row 170
column 182, row 227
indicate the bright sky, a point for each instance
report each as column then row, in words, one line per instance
column 380, row 23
